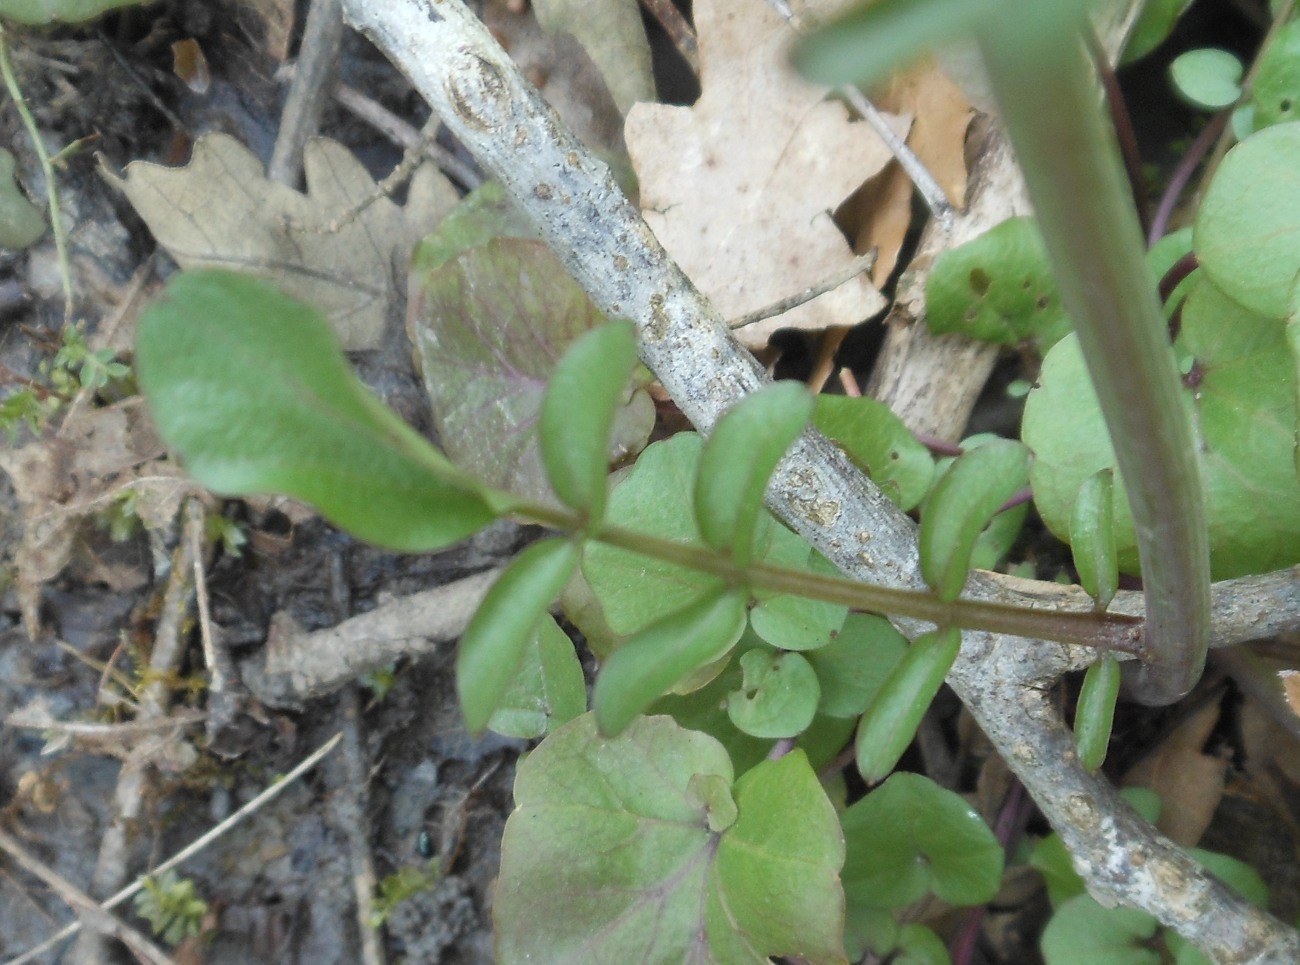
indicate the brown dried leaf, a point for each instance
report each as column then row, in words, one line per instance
column 221, row 211
column 275, row 18
column 740, row 187
column 63, row 479
column 613, row 35
column 1190, row 783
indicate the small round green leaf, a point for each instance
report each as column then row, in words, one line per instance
column 739, row 458
column 1092, row 537
column 1247, row 232
column 548, row 690
column 879, row 444
column 796, row 622
column 493, row 645
column 1207, row 77
column 890, row 723
column 1082, row 932
column 853, row 667
column 1275, row 91
column 777, row 697
column 1096, row 711
column 998, row 288
column 909, row 837
column 961, row 504
column 646, row 666
column 584, row 393
column 251, row 388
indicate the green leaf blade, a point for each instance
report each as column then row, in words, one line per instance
column 778, row 695
column 739, row 458
column 1095, row 714
column 880, row 444
column 962, row 502
column 251, row 388
column 1092, row 537
column 493, row 645
column 578, row 413
column 648, row 664
column 890, row 723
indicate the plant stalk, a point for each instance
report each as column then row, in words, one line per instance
column 1046, row 89
column 1100, row 631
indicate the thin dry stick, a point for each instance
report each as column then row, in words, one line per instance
column 352, row 810
column 189, row 850
column 128, row 797
column 406, row 136
column 308, row 91
column 90, row 910
column 860, row 264
column 677, row 29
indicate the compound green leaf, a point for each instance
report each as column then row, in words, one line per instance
column 1247, row 232
column 778, row 694
column 998, row 288
column 853, row 667
column 1092, row 537
column 1240, row 395
column 585, row 392
column 961, row 504
column 1082, row 932
column 65, row 11
column 489, row 326
column 1207, row 77
column 493, row 646
column 890, row 723
column 628, row 849
column 739, row 458
column 1096, row 711
column 548, row 689
column 909, row 837
column 647, row 665
column 1275, row 91
column 879, row 444
column 21, row 222
column 251, row 388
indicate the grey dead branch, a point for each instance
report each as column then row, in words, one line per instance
column 1004, row 682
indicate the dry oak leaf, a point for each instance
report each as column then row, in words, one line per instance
column 221, row 211
column 740, row 188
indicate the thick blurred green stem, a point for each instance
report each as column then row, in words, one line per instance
column 1046, row 89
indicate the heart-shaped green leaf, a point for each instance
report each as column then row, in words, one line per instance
column 890, row 723
column 493, row 645
column 777, row 697
column 853, row 667
column 961, row 504
column 578, row 411
column 738, row 459
column 646, row 666
column 1110, row 936
column 1207, row 77
column 909, row 837
column 251, row 388
column 636, row 848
